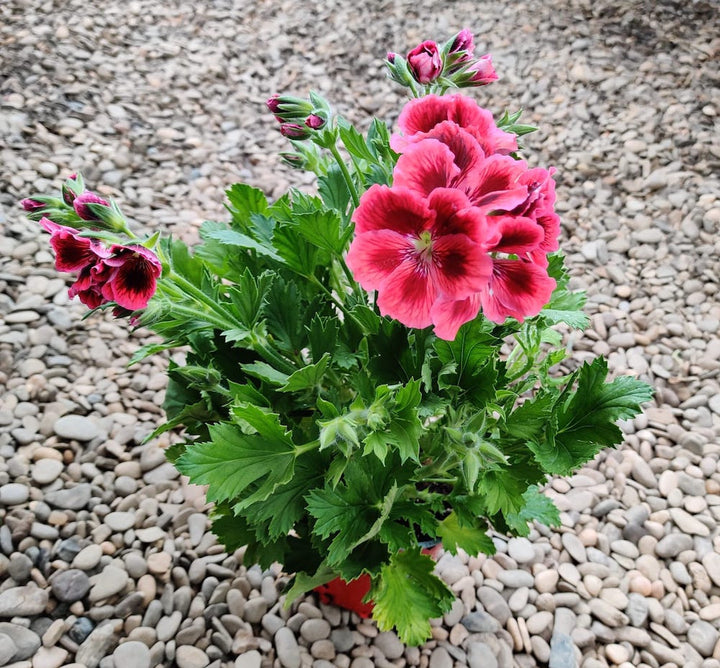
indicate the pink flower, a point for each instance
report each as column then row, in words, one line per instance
column 81, row 201
column 482, row 71
column 129, row 276
column 415, row 251
column 491, row 183
column 517, row 289
column 72, row 252
column 420, row 116
column 424, row 62
column 88, row 286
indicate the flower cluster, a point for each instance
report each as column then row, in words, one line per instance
column 451, row 65
column 297, row 117
column 121, row 274
column 464, row 225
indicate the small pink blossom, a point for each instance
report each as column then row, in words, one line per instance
column 482, row 71
column 424, row 62
column 129, row 276
column 314, row 122
column 491, row 183
column 81, row 201
column 420, row 116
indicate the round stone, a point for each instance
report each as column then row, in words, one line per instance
column 76, row 427
column 521, row 549
column 14, row 494
column 120, row 521
column 46, row 471
column 70, row 586
column 132, row 654
column 88, row 558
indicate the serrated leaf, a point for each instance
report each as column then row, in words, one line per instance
column 530, row 418
column 354, row 141
column 407, row 595
column 323, row 333
column 237, row 239
column 537, row 508
column 586, row 422
column 264, row 371
column 233, row 460
column 334, row 190
column 245, row 201
column 308, row 377
column 248, row 295
column 473, row 539
column 303, row 583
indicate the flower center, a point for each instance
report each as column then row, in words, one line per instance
column 423, row 248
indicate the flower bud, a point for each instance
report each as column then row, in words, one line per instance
column 314, row 122
column 32, row 205
column 294, row 131
column 81, row 201
column 287, row 108
column 425, row 62
column 463, row 41
column 71, row 188
column 294, row 160
column 391, row 57
column 478, row 73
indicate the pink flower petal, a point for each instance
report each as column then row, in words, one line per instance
column 425, row 165
column 374, row 255
column 408, row 295
column 460, row 267
column 517, row 289
column 134, row 280
column 493, row 183
column 517, row 235
column 454, row 214
column 449, row 315
column 394, row 208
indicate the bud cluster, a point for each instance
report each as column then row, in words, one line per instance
column 299, row 118
column 437, row 68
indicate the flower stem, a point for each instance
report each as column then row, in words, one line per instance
column 346, row 174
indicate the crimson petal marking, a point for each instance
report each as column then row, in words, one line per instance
column 397, row 208
column 408, row 295
column 460, row 267
column 517, row 289
column 518, row 235
column 374, row 255
column 425, row 165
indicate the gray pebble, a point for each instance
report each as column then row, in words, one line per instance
column 287, row 648
column 76, row 427
column 70, row 585
column 132, row 654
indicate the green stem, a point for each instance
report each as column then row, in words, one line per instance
column 346, row 174
column 302, row 449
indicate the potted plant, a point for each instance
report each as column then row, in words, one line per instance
column 376, row 365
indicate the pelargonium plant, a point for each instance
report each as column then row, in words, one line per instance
column 376, row 367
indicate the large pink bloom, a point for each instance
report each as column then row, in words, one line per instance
column 129, row 276
column 72, row 252
column 421, row 115
column 415, row 251
column 490, row 183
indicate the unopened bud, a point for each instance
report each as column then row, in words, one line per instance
column 294, row 131
column 32, row 205
column 314, row 122
column 424, row 62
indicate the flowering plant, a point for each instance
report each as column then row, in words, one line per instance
column 374, row 366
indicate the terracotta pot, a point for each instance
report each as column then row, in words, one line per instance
column 350, row 595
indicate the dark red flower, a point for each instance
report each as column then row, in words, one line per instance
column 129, row 276
column 72, row 252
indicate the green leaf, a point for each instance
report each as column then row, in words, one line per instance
column 244, row 201
column 237, row 239
column 530, row 418
column 471, row 538
column 354, row 141
column 322, row 335
column 407, row 595
column 233, row 460
column 537, row 508
column 303, row 583
column 308, row 377
column 248, row 296
column 334, row 190
column 585, row 424
column 283, row 312
column 322, row 229
column 265, row 372
column 286, row 505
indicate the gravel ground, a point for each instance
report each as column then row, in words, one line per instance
column 105, row 554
